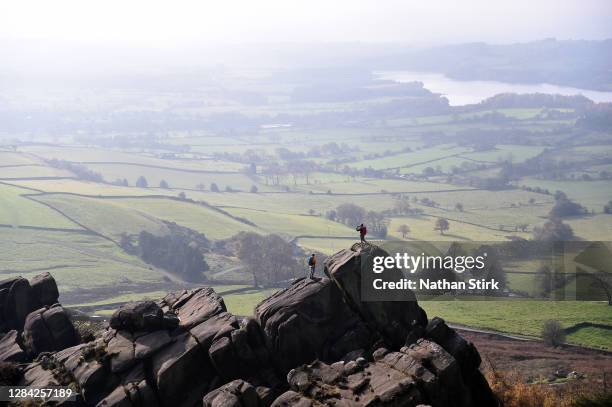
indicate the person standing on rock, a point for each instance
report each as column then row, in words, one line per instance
column 362, row 232
column 312, row 263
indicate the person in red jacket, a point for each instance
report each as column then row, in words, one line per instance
column 362, row 232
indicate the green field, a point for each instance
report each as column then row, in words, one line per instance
column 292, row 225
column 76, row 260
column 32, row 171
column 81, row 187
column 175, row 178
column 422, row 228
column 16, row 210
column 214, row 224
column 103, row 216
column 592, row 194
column 524, row 317
column 412, row 158
column 12, row 158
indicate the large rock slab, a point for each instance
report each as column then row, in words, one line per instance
column 44, row 289
column 49, row 329
column 16, row 302
column 393, row 320
column 310, row 320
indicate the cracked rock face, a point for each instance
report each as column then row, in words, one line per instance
column 314, row 343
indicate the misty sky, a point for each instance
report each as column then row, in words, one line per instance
column 167, row 23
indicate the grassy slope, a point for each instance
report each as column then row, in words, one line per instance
column 214, row 224
column 29, row 171
column 103, row 216
column 76, row 260
column 19, row 211
column 293, row 225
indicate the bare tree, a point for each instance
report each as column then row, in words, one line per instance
column 404, row 230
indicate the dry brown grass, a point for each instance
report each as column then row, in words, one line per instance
column 514, row 391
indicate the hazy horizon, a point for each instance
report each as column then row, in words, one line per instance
column 189, row 23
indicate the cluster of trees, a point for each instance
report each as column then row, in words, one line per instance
column 121, row 182
column 270, row 259
column 345, row 92
column 534, row 100
column 537, row 190
column 180, row 251
column 547, row 281
column 173, row 253
column 490, row 183
column 553, row 230
column 608, row 208
column 79, row 170
column 331, row 149
column 493, row 268
column 597, row 117
column 564, row 207
column 352, row 215
column 386, row 153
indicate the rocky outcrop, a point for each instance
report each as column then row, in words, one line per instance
column 392, row 320
column 314, row 343
column 310, row 320
column 32, row 320
column 147, row 358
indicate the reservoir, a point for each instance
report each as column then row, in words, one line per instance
column 469, row 92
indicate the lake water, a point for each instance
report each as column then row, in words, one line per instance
column 468, row 92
